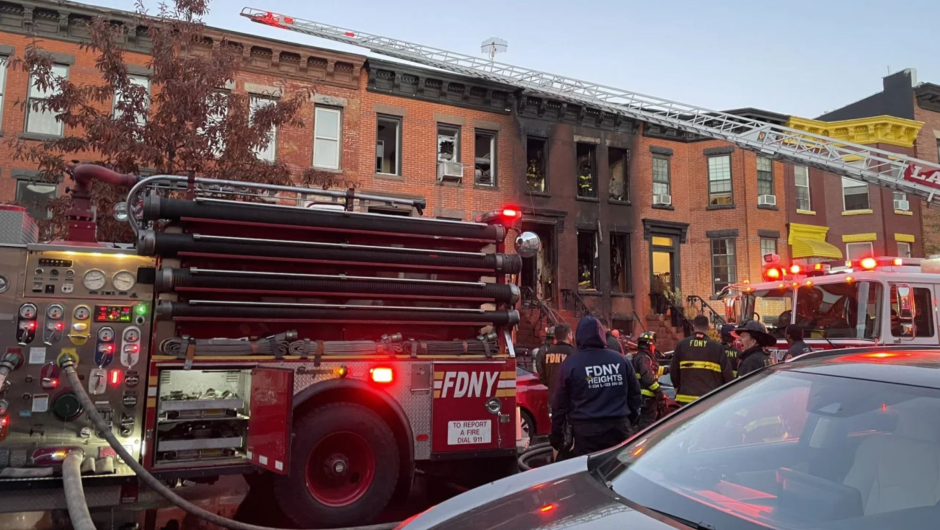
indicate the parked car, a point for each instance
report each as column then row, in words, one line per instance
column 845, row 440
column 532, row 398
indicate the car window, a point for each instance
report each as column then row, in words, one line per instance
column 791, row 450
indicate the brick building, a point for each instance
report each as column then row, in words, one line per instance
column 927, row 147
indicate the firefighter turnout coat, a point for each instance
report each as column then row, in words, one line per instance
column 699, row 365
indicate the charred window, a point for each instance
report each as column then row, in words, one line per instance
column 587, row 260
column 587, row 175
column 388, row 145
column 620, row 263
column 536, row 152
column 617, row 169
column 448, row 143
column 484, row 161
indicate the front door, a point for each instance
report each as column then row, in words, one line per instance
column 664, row 277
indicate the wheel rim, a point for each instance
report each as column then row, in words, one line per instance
column 340, row 469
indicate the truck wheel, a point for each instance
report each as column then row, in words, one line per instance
column 344, row 467
column 528, row 425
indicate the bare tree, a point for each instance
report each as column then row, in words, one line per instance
column 186, row 121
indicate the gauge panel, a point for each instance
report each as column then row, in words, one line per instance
column 124, row 281
column 94, row 280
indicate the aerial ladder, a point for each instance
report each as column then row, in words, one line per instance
column 873, row 166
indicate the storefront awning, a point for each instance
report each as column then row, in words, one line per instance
column 809, row 241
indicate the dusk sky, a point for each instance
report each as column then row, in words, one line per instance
column 797, row 57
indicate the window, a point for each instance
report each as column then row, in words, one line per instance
column 619, row 179
column 723, row 265
column 327, row 129
column 801, row 179
column 587, row 260
column 448, row 143
column 256, row 103
column 42, row 121
column 765, row 176
column 854, row 195
column 35, row 197
column 923, row 314
column 137, row 80
column 768, row 246
column 587, row 176
column 904, row 249
column 620, row 263
column 536, row 153
column 484, row 158
column 661, row 178
column 4, row 61
column 719, row 180
column 388, row 145
column 857, row 251
column 900, row 201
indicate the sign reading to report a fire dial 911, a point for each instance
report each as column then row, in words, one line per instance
column 469, row 432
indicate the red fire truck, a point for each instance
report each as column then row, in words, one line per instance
column 869, row 301
column 330, row 349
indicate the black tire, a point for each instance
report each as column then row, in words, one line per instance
column 292, row 491
column 528, row 424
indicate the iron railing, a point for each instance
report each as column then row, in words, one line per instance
column 703, row 308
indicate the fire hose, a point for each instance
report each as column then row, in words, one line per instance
column 536, row 451
column 80, row 512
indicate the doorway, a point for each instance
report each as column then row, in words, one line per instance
column 539, row 272
column 664, row 271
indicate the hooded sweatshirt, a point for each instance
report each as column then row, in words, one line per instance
column 596, row 384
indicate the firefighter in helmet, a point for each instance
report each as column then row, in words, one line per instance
column 585, row 181
column 699, row 364
column 648, row 371
column 727, row 342
column 533, row 176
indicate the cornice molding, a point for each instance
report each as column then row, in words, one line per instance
column 865, row 131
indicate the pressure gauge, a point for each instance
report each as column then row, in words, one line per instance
column 82, row 313
column 28, row 311
column 94, row 280
column 123, row 281
column 55, row 312
column 105, row 334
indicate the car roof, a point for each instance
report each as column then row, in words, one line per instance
column 913, row 365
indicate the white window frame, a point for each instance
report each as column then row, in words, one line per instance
column 769, row 171
column 731, row 255
column 852, row 183
column 910, row 249
column 802, row 172
column 27, row 182
column 771, row 240
column 30, row 97
column 901, row 196
column 492, row 136
column 443, row 130
column 324, row 140
column 259, row 101
column 848, row 253
column 668, row 182
column 117, row 96
column 716, row 164
column 399, row 126
column 4, row 63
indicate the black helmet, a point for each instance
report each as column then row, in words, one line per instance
column 647, row 338
column 758, row 331
column 727, row 332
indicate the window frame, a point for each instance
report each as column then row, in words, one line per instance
column 272, row 143
column 27, row 182
column 625, row 161
column 797, row 186
column 115, row 99
column 856, row 184
column 628, row 280
column 871, row 250
column 29, row 103
column 4, row 73
column 910, row 249
column 730, row 265
column 712, row 194
column 457, row 134
column 771, row 240
column 399, row 130
column 894, row 197
column 668, row 183
column 595, row 265
column 546, row 190
column 592, row 158
column 494, row 156
column 338, row 140
column 765, row 176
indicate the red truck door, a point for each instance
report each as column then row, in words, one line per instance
column 462, row 419
column 269, row 423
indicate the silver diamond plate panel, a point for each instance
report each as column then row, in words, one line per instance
column 415, row 404
column 17, row 228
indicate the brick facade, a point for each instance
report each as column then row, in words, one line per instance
column 927, row 147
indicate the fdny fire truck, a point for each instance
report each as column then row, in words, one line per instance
column 866, row 302
column 331, row 349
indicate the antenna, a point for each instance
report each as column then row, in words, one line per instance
column 493, row 46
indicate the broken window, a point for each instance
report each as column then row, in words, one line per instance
column 587, row 176
column 35, row 197
column 587, row 260
column 536, row 152
column 620, row 263
column 484, row 161
column 388, row 145
column 617, row 169
column 448, row 143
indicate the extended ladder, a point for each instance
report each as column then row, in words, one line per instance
column 874, row 166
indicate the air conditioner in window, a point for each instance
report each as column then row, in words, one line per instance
column 662, row 200
column 449, row 171
column 902, row 205
column 766, row 200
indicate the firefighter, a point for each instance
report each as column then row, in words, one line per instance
column 551, row 358
column 754, row 340
column 727, row 341
column 648, row 372
column 794, row 335
column 699, row 364
column 533, row 176
column 585, row 181
column 548, row 343
column 598, row 394
column 613, row 342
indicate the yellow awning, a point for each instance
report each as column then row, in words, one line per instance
column 812, row 248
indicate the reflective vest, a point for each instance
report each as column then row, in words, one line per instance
column 699, row 365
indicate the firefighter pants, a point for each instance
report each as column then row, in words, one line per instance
column 590, row 437
column 649, row 413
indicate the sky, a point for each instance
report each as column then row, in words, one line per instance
column 794, row 57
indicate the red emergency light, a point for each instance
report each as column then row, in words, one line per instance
column 511, row 213
column 506, row 216
column 382, row 374
column 795, row 269
column 868, row 263
column 773, row 273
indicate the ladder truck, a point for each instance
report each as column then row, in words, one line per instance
column 873, row 166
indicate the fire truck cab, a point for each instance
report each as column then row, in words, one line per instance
column 871, row 301
column 331, row 350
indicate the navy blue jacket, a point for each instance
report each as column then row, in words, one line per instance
column 595, row 384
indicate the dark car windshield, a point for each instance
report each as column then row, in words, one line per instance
column 792, row 450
